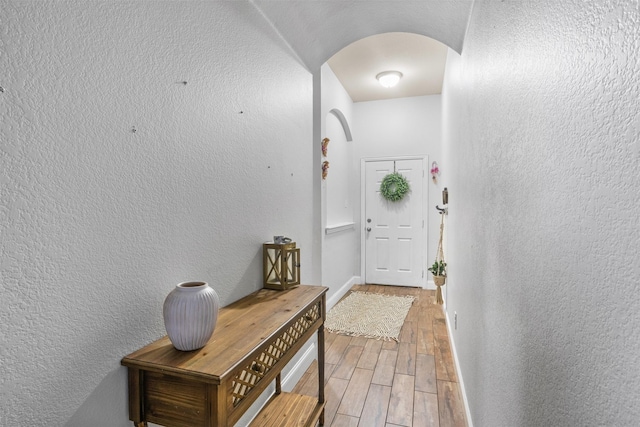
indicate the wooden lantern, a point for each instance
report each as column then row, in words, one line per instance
column 281, row 263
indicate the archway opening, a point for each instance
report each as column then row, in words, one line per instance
column 384, row 123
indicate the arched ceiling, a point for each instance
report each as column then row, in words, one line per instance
column 420, row 59
column 317, row 29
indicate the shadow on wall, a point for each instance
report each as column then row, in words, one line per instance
column 107, row 405
column 252, row 274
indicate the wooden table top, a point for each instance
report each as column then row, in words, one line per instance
column 240, row 329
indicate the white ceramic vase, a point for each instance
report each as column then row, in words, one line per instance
column 190, row 313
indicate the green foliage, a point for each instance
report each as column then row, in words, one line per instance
column 394, row 186
column 439, row 268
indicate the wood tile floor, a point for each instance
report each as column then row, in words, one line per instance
column 410, row 383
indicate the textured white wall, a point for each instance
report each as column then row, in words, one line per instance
column 97, row 222
column 339, row 251
column 399, row 127
column 405, row 127
column 542, row 137
column 341, row 175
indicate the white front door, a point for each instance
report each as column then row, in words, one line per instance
column 394, row 233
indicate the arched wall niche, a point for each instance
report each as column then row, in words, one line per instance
column 343, row 121
column 339, row 182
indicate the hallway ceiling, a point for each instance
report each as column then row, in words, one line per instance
column 420, row 59
column 315, row 30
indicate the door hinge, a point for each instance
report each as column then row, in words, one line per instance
column 423, row 223
column 423, row 274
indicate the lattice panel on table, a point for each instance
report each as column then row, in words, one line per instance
column 251, row 374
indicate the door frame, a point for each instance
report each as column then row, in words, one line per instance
column 425, row 201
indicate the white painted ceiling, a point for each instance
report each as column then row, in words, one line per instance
column 420, row 59
column 315, row 30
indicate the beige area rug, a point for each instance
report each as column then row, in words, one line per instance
column 369, row 315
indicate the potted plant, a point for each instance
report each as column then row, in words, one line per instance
column 439, row 271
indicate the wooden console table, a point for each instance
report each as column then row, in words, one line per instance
column 254, row 339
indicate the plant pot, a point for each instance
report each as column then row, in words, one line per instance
column 439, row 281
column 190, row 314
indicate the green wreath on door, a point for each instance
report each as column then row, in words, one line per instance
column 394, row 187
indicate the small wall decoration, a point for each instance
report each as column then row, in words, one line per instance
column 325, row 169
column 394, row 187
column 435, row 171
column 325, row 143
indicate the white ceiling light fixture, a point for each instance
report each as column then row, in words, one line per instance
column 389, row 78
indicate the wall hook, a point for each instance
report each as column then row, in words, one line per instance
column 443, row 210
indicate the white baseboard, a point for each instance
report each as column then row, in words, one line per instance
column 333, row 300
column 308, row 353
column 463, row 392
column 310, row 349
column 301, row 363
column 297, row 371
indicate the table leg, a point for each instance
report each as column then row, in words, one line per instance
column 321, row 351
column 136, row 387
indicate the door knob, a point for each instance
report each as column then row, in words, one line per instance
column 368, row 219
column 368, row 228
